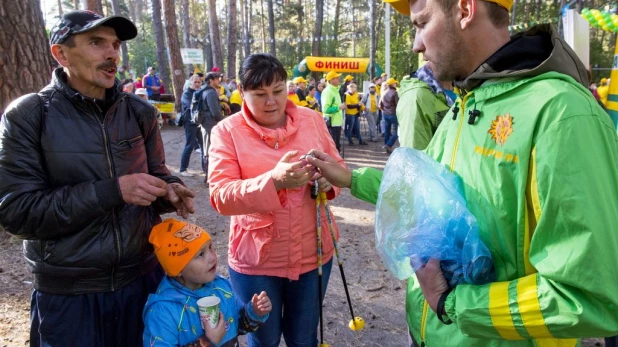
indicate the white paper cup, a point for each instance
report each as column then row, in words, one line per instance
column 209, row 309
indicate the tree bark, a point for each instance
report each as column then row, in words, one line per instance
column 514, row 12
column 25, row 59
column 94, row 6
column 232, row 38
column 271, row 28
column 372, row 39
column 178, row 75
column 215, row 35
column 336, row 28
column 123, row 45
column 263, row 26
column 186, row 28
column 162, row 64
column 244, row 13
column 76, row 4
column 60, row 8
column 301, row 25
column 317, row 28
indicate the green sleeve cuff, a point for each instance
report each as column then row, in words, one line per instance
column 366, row 184
column 449, row 306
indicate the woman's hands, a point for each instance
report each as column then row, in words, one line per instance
column 330, row 169
column 287, row 175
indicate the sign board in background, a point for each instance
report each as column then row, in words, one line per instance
column 192, row 56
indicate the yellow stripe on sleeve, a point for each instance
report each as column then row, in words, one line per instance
column 530, row 308
column 500, row 312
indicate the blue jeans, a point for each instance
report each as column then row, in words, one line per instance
column 352, row 127
column 295, row 310
column 390, row 138
column 191, row 143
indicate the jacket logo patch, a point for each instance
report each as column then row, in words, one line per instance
column 501, row 129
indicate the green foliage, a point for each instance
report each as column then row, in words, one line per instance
column 142, row 49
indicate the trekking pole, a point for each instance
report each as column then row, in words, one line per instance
column 356, row 323
column 314, row 192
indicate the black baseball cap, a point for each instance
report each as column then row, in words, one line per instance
column 211, row 76
column 76, row 22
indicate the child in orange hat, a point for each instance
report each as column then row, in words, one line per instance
column 171, row 315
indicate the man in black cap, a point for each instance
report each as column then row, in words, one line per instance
column 83, row 180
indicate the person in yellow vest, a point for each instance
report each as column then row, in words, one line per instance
column 225, row 102
column 603, row 91
column 235, row 101
column 352, row 113
column 292, row 96
column 312, row 102
column 371, row 100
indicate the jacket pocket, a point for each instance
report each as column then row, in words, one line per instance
column 254, row 237
column 134, row 142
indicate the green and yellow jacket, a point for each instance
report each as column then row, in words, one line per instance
column 540, row 172
column 331, row 100
column 419, row 112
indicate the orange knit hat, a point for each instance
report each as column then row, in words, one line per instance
column 176, row 243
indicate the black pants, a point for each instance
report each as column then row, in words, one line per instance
column 205, row 145
column 335, row 133
column 94, row 320
column 611, row 341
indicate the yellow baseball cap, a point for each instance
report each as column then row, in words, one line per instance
column 300, row 79
column 348, row 78
column 603, row 80
column 176, row 243
column 331, row 75
column 391, row 81
column 403, row 6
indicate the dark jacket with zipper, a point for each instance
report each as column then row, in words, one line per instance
column 61, row 155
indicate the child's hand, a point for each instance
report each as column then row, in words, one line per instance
column 215, row 334
column 261, row 304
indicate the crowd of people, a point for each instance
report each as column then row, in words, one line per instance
column 83, row 181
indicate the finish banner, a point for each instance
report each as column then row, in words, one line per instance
column 326, row 64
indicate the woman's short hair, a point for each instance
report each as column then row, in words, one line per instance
column 261, row 69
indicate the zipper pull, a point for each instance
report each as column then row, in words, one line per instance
column 277, row 144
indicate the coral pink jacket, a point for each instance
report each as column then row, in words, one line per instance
column 271, row 233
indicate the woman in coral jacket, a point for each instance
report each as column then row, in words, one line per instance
column 256, row 176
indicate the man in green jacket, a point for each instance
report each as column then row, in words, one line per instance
column 423, row 103
column 538, row 159
column 332, row 107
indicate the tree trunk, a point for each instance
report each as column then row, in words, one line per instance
column 372, row 39
column 232, row 38
column 317, row 28
column 186, row 28
column 301, row 15
column 76, row 4
column 139, row 8
column 162, row 65
column 60, row 8
column 123, row 45
column 271, row 27
column 263, row 26
column 215, row 35
column 178, row 75
column 336, row 28
column 244, row 13
column 514, row 12
column 25, row 59
column 94, row 6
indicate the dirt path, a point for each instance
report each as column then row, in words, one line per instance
column 376, row 295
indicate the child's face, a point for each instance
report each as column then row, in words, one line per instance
column 201, row 269
column 352, row 88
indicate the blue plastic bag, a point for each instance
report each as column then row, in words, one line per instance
column 421, row 214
